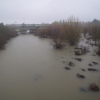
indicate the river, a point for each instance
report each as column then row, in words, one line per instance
column 31, row 69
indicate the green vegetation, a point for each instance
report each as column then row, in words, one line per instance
column 5, row 34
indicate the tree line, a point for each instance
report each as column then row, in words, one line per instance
column 62, row 32
column 5, row 34
column 93, row 29
column 69, row 31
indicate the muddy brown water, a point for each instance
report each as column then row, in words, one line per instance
column 31, row 69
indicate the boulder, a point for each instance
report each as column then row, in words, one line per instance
column 83, row 69
column 94, row 87
column 98, row 52
column 80, row 75
column 92, row 69
column 71, row 64
column 67, row 68
column 95, row 63
column 77, row 52
column 79, row 59
column 82, row 50
column 90, row 64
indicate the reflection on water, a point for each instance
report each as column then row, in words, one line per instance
column 31, row 69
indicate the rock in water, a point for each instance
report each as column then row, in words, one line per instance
column 94, row 87
column 81, row 76
column 71, row 64
column 79, row 59
column 95, row 63
column 90, row 64
column 83, row 69
column 92, row 69
column 67, row 68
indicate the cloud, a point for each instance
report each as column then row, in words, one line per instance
column 47, row 11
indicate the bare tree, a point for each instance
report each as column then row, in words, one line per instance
column 72, row 29
column 95, row 33
column 58, row 35
column 5, row 34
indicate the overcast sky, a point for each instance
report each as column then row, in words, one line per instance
column 47, row 11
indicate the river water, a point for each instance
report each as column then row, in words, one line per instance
column 31, row 69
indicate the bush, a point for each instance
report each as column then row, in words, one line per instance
column 72, row 29
column 5, row 34
column 62, row 32
column 2, row 40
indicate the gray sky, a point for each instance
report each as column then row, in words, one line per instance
column 47, row 11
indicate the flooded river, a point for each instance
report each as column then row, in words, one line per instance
column 31, row 69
